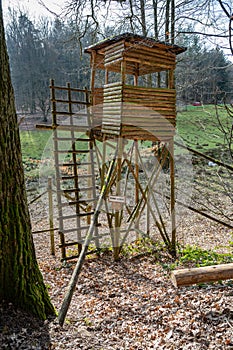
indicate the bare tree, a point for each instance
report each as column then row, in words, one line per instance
column 147, row 17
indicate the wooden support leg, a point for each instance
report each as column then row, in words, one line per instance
column 148, row 214
column 136, row 183
column 173, row 214
column 116, row 239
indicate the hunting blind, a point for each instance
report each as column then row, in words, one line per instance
column 108, row 191
column 138, row 94
column 105, row 187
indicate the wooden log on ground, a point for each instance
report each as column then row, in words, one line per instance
column 187, row 277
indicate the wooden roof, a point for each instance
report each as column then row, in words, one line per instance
column 134, row 39
column 142, row 55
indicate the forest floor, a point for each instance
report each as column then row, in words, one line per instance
column 130, row 304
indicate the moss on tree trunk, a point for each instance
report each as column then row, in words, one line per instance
column 21, row 281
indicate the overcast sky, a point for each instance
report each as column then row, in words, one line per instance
column 33, row 7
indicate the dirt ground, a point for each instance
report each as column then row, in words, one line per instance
column 130, row 304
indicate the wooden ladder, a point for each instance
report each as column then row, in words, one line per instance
column 75, row 167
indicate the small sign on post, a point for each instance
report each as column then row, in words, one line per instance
column 117, row 202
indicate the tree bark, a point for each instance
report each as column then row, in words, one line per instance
column 167, row 20
column 173, row 9
column 155, row 11
column 143, row 17
column 21, row 281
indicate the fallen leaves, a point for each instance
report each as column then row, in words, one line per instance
column 125, row 305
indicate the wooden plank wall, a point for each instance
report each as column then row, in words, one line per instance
column 161, row 100
column 149, row 57
column 114, row 52
column 112, row 108
column 147, row 109
column 96, row 110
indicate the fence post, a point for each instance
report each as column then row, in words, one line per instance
column 51, row 226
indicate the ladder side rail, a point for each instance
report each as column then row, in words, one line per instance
column 75, row 167
column 57, row 171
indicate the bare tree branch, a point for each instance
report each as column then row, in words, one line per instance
column 223, row 6
column 205, row 34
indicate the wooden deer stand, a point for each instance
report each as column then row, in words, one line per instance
column 135, row 102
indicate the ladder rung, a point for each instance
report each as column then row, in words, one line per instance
column 77, row 164
column 68, row 244
column 71, row 177
column 68, row 177
column 72, row 151
column 70, row 114
column 60, row 127
column 83, row 140
column 81, row 201
column 71, row 101
column 74, row 190
column 58, row 138
column 45, row 126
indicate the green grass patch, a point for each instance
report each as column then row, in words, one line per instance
column 199, row 127
column 38, row 144
column 33, row 143
column 188, row 256
column 202, row 257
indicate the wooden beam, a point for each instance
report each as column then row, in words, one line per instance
column 187, row 277
column 173, row 199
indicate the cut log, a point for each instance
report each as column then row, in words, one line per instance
column 187, row 277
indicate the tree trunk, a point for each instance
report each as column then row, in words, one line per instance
column 143, row 17
column 167, row 21
column 155, row 11
column 173, row 9
column 21, row 281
